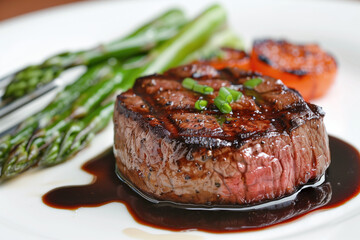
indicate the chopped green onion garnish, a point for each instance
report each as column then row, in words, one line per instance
column 197, row 88
column 225, row 95
column 188, row 83
column 201, row 104
column 236, row 95
column 252, row 83
column 208, row 90
column 191, row 84
column 222, row 105
column 202, row 89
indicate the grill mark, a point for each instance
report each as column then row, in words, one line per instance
column 297, row 72
column 158, row 110
column 177, row 127
column 267, row 112
column 265, row 60
column 227, row 74
column 279, row 122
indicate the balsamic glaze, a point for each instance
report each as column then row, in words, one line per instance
column 342, row 182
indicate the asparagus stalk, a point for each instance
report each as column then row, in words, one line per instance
column 94, row 75
column 190, row 38
column 25, row 154
column 158, row 30
column 8, row 141
column 141, row 40
column 57, row 115
column 61, row 103
column 95, row 95
column 78, row 133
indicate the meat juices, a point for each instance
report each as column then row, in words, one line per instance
column 271, row 143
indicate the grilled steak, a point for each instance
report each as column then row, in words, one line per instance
column 271, row 143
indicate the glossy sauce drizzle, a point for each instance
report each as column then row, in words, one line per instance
column 342, row 183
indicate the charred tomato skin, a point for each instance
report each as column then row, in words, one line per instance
column 306, row 68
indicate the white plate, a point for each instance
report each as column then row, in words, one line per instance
column 28, row 39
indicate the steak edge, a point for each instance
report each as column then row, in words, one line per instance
column 272, row 143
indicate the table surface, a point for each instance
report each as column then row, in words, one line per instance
column 13, row 8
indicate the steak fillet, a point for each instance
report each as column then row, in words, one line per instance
column 272, row 142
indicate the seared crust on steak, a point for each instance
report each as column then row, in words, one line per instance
column 271, row 143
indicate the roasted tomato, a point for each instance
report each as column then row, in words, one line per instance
column 229, row 58
column 307, row 68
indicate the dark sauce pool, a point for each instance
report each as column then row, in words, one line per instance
column 342, row 182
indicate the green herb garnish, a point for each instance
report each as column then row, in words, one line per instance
column 201, row 104
column 252, row 83
column 236, row 95
column 188, row 83
column 222, row 105
column 191, row 84
column 225, row 95
column 203, row 89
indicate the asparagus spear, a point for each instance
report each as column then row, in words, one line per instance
column 78, row 135
column 61, row 103
column 25, row 154
column 171, row 53
column 95, row 95
column 159, row 29
column 95, row 74
column 8, row 141
column 190, row 38
column 52, row 119
column 141, row 40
